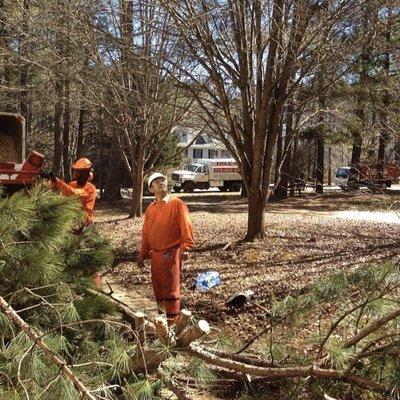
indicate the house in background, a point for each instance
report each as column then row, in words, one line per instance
column 197, row 145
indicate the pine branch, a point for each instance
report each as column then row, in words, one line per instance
column 372, row 328
column 79, row 386
column 128, row 314
column 173, row 386
column 335, row 325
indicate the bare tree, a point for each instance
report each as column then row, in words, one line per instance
column 134, row 89
column 244, row 54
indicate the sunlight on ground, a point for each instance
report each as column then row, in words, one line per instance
column 387, row 217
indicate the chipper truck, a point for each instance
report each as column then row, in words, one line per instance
column 208, row 173
column 16, row 170
column 348, row 178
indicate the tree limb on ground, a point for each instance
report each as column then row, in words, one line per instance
column 84, row 392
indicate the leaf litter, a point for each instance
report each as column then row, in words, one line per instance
column 303, row 243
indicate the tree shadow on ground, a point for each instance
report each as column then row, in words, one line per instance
column 226, row 203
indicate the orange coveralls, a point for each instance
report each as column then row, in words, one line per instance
column 167, row 231
column 86, row 193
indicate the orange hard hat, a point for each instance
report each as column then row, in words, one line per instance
column 82, row 163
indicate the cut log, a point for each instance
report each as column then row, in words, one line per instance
column 193, row 333
column 140, row 327
column 148, row 360
column 182, row 322
column 163, row 332
column 150, row 327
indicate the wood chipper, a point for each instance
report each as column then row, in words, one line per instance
column 16, row 170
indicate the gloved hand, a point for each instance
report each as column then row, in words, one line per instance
column 140, row 263
column 48, row 175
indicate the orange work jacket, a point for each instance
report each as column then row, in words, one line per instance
column 86, row 193
column 166, row 225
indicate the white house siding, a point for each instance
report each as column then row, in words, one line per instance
column 203, row 147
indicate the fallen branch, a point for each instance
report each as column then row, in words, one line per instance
column 240, row 358
column 12, row 315
column 128, row 314
column 372, row 328
column 253, row 339
column 173, row 386
column 289, row 372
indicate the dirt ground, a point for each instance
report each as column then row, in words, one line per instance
column 306, row 238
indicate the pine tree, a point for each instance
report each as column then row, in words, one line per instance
column 45, row 276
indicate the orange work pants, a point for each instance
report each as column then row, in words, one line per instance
column 165, row 276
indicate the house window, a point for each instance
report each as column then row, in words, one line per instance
column 213, row 153
column 197, row 153
column 184, row 137
column 225, row 154
column 201, row 139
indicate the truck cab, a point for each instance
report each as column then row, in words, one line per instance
column 367, row 175
column 342, row 177
column 207, row 173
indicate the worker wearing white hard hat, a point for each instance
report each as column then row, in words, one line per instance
column 167, row 234
column 154, row 176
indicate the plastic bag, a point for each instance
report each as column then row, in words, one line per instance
column 207, row 280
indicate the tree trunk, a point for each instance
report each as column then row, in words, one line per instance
column 137, row 184
column 81, row 128
column 112, row 184
column 256, row 216
column 366, row 50
column 282, row 189
column 357, row 137
column 320, row 161
column 384, row 129
column 319, row 167
column 329, row 166
column 4, row 50
column 23, row 51
column 294, row 167
column 66, row 132
column 58, row 145
column 383, row 140
column 279, row 154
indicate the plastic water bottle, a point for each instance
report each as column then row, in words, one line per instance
column 207, row 280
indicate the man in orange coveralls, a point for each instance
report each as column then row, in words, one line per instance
column 167, row 234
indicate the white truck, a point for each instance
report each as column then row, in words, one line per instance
column 207, row 173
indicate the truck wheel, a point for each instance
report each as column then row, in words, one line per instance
column 176, row 189
column 235, row 187
column 223, row 188
column 188, row 187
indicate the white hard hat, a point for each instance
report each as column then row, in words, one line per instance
column 154, row 176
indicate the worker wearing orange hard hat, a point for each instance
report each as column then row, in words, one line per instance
column 80, row 186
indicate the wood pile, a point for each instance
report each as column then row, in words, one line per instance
column 8, row 151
